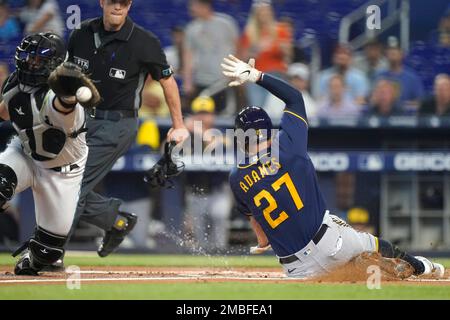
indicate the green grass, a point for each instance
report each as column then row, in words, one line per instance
column 217, row 290
column 223, row 291
column 161, row 260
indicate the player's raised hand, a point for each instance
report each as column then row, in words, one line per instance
column 239, row 71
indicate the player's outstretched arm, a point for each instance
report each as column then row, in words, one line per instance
column 242, row 72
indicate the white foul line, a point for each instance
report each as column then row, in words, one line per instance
column 180, row 278
column 143, row 279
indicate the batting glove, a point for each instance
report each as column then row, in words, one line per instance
column 259, row 250
column 240, row 71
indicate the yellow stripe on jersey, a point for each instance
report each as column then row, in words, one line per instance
column 296, row 115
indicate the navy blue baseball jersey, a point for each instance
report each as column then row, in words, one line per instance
column 282, row 192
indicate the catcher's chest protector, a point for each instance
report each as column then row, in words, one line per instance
column 40, row 139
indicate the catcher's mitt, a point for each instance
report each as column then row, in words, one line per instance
column 67, row 78
column 164, row 169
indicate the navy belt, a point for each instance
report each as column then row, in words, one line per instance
column 319, row 235
column 113, row 115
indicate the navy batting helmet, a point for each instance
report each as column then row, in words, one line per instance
column 253, row 118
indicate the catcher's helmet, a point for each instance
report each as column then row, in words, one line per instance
column 37, row 56
column 253, row 118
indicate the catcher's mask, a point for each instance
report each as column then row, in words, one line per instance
column 37, row 56
column 256, row 124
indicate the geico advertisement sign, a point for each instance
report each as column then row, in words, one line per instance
column 422, row 161
column 330, row 161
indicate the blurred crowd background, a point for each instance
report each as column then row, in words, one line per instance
column 397, row 73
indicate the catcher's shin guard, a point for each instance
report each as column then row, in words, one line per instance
column 42, row 250
column 8, row 184
column 388, row 250
column 46, row 248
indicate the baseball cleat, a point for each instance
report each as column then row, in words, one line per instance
column 393, row 267
column 113, row 238
column 432, row 269
column 23, row 266
column 58, row 266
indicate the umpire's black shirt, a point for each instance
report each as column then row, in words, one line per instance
column 118, row 62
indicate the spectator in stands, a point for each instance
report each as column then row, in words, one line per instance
column 4, row 74
column 298, row 74
column 355, row 80
column 153, row 100
column 408, row 84
column 371, row 61
column 174, row 53
column 209, row 37
column 384, row 101
column 208, row 196
column 42, row 16
column 441, row 36
column 297, row 53
column 439, row 103
column 337, row 102
column 269, row 42
column 9, row 28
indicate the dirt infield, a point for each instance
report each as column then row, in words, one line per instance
column 179, row 274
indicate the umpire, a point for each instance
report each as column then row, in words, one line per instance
column 119, row 55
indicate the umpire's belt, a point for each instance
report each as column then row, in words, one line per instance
column 319, row 235
column 113, row 115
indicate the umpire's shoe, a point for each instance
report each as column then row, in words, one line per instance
column 23, row 266
column 125, row 222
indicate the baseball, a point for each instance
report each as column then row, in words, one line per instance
column 84, row 94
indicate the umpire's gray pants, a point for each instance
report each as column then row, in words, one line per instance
column 107, row 141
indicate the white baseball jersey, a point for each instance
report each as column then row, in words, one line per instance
column 49, row 154
column 48, row 136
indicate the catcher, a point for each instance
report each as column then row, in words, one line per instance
column 50, row 151
column 280, row 193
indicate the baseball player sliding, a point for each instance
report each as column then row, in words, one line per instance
column 44, row 100
column 281, row 195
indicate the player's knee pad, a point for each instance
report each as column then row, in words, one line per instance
column 388, row 250
column 45, row 248
column 8, row 184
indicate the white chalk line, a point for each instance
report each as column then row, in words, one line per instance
column 210, row 273
column 140, row 279
column 184, row 276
